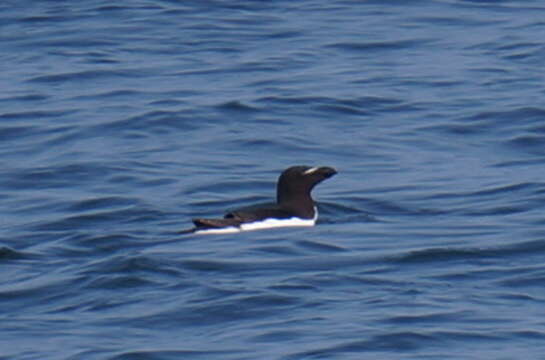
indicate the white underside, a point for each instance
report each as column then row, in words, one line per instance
column 264, row 224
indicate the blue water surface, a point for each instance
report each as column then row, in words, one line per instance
column 121, row 121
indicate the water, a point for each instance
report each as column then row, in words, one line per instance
column 120, row 122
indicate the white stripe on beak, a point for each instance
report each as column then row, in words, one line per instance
column 310, row 171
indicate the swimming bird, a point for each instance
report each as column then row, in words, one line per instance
column 294, row 205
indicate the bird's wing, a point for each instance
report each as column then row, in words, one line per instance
column 216, row 223
column 243, row 215
column 257, row 213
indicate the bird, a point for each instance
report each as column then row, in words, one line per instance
column 294, row 205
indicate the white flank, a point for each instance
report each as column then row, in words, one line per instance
column 310, row 171
column 265, row 224
column 275, row 223
column 225, row 230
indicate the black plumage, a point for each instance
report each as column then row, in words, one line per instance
column 293, row 200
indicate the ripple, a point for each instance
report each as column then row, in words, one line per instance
column 87, row 75
column 395, row 341
column 178, row 354
column 429, row 318
column 237, row 106
column 378, row 45
column 101, row 203
column 317, row 246
column 120, row 282
column 35, row 114
column 25, row 98
column 56, row 176
column 533, row 144
column 208, row 312
column 8, row 133
column 443, row 255
column 123, row 216
column 533, row 278
column 121, row 266
column 439, row 255
column 7, row 253
column 157, row 121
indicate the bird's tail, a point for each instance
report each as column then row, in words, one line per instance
column 187, row 231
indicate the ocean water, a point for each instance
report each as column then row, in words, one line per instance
column 121, row 121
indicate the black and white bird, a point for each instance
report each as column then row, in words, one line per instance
column 294, row 205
